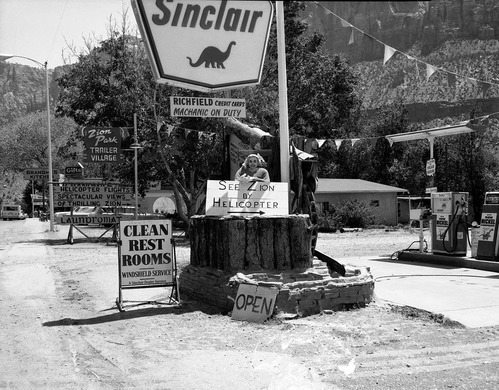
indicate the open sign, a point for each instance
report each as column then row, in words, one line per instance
column 205, row 45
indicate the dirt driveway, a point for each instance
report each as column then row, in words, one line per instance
column 61, row 329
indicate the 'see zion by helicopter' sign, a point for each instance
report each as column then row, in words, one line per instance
column 206, row 45
column 236, row 198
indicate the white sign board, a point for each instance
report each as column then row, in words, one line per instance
column 87, row 219
column 207, row 107
column 38, row 173
column 104, row 194
column 205, row 45
column 146, row 254
column 430, row 167
column 254, row 303
column 236, row 198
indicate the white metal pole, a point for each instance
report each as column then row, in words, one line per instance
column 136, row 166
column 4, row 57
column 51, row 187
column 283, row 94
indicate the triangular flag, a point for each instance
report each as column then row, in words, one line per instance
column 389, row 52
column 373, row 142
column 451, row 79
column 321, row 142
column 430, row 69
column 344, row 23
column 169, row 129
column 390, row 141
column 158, row 125
column 338, row 143
column 485, row 88
column 350, row 41
column 354, row 140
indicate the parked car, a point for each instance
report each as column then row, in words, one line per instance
column 12, row 211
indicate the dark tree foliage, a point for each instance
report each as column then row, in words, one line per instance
column 321, row 87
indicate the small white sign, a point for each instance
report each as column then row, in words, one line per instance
column 430, row 167
column 254, row 303
column 207, row 107
column 254, row 198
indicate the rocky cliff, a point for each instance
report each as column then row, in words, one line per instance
column 459, row 38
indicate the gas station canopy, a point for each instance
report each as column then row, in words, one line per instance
column 430, row 134
column 460, row 128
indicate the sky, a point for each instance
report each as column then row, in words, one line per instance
column 44, row 29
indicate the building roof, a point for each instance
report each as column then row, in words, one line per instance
column 341, row 186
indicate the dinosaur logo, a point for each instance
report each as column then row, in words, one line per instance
column 212, row 56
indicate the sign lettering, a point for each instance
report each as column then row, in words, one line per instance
column 236, row 198
column 254, row 303
column 146, row 255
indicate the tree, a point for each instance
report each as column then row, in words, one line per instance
column 114, row 80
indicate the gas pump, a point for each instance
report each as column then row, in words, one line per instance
column 449, row 227
column 488, row 244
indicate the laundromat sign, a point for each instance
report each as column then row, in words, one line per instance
column 205, row 45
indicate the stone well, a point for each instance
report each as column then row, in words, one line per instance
column 272, row 251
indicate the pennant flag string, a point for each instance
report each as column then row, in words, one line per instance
column 389, row 51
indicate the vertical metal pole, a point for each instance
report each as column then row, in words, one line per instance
column 51, row 188
column 135, row 165
column 283, row 94
column 32, row 199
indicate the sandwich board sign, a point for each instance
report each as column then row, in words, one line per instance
column 146, row 256
column 205, row 45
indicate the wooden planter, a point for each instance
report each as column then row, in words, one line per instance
column 237, row 243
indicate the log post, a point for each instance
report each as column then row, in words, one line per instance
column 256, row 243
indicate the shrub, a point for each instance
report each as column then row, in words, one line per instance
column 354, row 214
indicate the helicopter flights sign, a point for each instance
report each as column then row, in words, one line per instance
column 205, row 45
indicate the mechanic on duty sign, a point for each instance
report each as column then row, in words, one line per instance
column 205, row 45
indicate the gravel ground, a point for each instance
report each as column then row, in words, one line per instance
column 61, row 328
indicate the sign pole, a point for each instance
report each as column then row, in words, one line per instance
column 33, row 199
column 135, row 166
column 283, row 94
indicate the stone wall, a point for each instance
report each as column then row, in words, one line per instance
column 303, row 294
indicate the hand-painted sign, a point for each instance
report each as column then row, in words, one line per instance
column 102, row 144
column 73, row 172
column 87, row 220
column 254, row 303
column 236, row 198
column 146, row 253
column 39, row 173
column 207, row 107
column 106, row 194
column 205, row 45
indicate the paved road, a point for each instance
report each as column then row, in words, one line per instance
column 469, row 296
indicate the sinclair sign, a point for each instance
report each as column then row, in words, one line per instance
column 205, row 45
